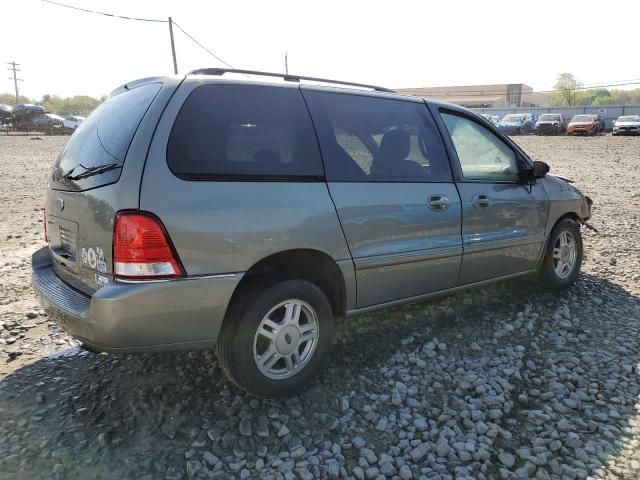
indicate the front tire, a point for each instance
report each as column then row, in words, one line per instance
column 563, row 256
column 274, row 340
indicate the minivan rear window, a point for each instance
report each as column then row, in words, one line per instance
column 247, row 132
column 104, row 138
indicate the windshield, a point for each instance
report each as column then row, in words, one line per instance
column 104, row 137
column 582, row 118
column 631, row 118
column 549, row 117
column 512, row 118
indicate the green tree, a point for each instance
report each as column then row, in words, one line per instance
column 604, row 100
column 10, row 99
column 567, row 86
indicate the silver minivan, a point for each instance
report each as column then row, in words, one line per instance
column 218, row 211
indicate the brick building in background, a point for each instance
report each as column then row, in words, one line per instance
column 482, row 96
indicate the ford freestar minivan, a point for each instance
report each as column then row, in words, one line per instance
column 213, row 211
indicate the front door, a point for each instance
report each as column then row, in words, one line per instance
column 389, row 178
column 503, row 219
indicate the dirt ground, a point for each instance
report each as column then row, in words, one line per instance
column 152, row 417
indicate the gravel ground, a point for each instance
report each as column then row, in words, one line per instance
column 509, row 381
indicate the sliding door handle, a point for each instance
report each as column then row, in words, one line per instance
column 438, row 202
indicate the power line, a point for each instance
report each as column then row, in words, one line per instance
column 113, row 15
column 169, row 21
column 203, row 47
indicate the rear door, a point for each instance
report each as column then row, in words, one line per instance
column 235, row 174
column 388, row 176
column 503, row 218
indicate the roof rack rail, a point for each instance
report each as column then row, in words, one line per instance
column 286, row 77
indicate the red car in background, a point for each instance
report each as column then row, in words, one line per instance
column 584, row 124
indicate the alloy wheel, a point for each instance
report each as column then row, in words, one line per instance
column 565, row 254
column 286, row 339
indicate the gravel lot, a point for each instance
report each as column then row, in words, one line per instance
column 509, row 381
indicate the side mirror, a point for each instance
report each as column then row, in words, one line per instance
column 540, row 169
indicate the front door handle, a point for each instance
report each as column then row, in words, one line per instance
column 481, row 201
column 438, row 202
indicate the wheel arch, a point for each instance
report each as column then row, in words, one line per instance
column 570, row 215
column 305, row 264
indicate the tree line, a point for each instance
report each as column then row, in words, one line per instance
column 570, row 91
column 64, row 106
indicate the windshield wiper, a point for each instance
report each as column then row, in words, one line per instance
column 98, row 169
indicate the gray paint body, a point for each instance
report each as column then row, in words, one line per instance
column 388, row 245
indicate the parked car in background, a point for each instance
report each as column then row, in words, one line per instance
column 516, row 124
column 23, row 114
column 583, row 124
column 627, row 125
column 550, row 124
column 5, row 112
column 494, row 119
column 47, row 122
column 71, row 123
column 27, row 109
column 245, row 215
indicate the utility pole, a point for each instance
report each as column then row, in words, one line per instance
column 15, row 78
column 286, row 62
column 173, row 47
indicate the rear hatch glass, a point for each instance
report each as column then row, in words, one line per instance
column 96, row 151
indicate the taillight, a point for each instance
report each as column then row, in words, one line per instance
column 141, row 248
column 46, row 231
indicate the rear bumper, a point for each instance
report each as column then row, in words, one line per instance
column 136, row 317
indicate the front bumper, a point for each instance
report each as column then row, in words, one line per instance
column 547, row 129
column 135, row 317
column 580, row 130
column 510, row 130
column 626, row 131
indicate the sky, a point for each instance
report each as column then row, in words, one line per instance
column 394, row 44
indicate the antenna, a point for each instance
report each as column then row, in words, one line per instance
column 286, row 62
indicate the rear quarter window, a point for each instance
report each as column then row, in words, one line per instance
column 244, row 131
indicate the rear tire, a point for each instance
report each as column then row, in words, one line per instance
column 563, row 256
column 276, row 339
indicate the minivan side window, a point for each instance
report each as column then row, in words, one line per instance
column 372, row 139
column 482, row 155
column 244, row 131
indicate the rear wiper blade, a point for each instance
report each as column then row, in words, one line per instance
column 92, row 171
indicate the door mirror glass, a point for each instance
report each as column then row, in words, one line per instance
column 540, row 169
